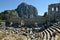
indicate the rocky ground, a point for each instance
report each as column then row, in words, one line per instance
column 8, row 36
column 5, row 35
column 10, row 33
column 23, row 33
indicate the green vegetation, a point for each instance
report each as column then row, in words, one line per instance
column 8, row 14
column 2, row 20
column 45, row 14
column 3, row 16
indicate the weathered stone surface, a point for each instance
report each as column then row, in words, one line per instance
column 54, row 12
column 26, row 11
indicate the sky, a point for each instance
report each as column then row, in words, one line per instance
column 41, row 5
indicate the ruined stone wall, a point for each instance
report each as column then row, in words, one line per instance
column 54, row 12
